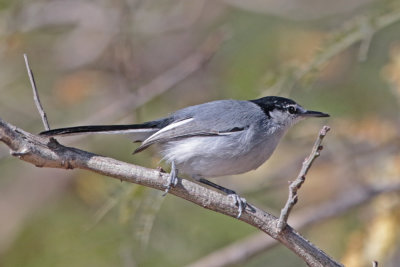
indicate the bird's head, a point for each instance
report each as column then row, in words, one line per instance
column 284, row 111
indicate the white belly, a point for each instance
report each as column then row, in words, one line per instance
column 213, row 156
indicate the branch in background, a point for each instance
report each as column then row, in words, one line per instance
column 36, row 95
column 360, row 29
column 249, row 247
column 43, row 152
column 365, row 44
column 296, row 184
column 164, row 81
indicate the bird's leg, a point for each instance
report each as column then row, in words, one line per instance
column 240, row 202
column 172, row 179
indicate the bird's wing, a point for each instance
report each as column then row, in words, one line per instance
column 184, row 128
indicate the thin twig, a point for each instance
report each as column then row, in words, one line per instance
column 296, row 184
column 36, row 95
column 374, row 264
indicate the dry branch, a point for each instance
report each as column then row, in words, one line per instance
column 44, row 152
column 296, row 184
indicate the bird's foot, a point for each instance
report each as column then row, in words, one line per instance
column 172, row 179
column 240, row 202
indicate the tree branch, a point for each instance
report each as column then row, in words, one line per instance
column 44, row 152
column 296, row 184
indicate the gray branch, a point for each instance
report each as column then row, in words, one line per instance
column 44, row 152
column 296, row 184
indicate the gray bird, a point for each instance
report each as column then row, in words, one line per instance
column 213, row 139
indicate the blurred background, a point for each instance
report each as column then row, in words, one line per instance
column 126, row 61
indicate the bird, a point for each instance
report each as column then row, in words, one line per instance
column 213, row 139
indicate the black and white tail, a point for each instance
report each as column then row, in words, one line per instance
column 138, row 132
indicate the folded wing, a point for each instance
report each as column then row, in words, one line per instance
column 185, row 128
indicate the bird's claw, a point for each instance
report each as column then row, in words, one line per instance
column 240, row 202
column 172, row 182
column 172, row 179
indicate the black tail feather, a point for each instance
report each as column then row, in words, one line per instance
column 98, row 129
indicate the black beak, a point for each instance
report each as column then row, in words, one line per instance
column 311, row 113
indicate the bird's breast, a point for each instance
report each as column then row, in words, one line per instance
column 213, row 156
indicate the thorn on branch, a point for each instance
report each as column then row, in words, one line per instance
column 298, row 182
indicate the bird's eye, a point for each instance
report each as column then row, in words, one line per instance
column 292, row 110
